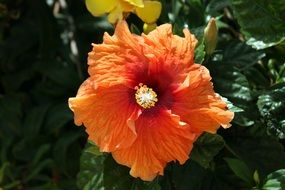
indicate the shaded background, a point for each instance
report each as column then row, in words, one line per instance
column 43, row 51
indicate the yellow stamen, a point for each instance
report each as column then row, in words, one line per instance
column 145, row 96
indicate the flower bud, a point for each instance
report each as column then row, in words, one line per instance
column 210, row 37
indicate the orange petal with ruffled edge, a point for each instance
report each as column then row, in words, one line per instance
column 117, row 58
column 161, row 138
column 169, row 52
column 198, row 105
column 121, row 55
column 107, row 113
column 162, row 44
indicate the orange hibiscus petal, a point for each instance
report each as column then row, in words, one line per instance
column 197, row 103
column 171, row 51
column 117, row 58
column 107, row 114
column 161, row 138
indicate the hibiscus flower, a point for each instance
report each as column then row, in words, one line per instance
column 146, row 101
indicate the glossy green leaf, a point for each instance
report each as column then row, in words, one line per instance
column 275, row 180
column 257, row 152
column 233, row 85
column 272, row 107
column 240, row 55
column 188, row 175
column 91, row 171
column 231, row 106
column 241, row 170
column 206, row 148
column 215, row 6
column 35, row 119
column 102, row 172
column 134, row 29
column 117, row 177
column 93, row 149
column 200, row 52
column 262, row 22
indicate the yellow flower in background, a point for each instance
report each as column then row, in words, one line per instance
column 146, row 10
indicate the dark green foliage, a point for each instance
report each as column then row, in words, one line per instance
column 275, row 180
column 43, row 55
column 272, row 108
column 261, row 21
column 206, row 147
column 98, row 171
column 40, row 147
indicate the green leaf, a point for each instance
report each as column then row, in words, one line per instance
column 241, row 170
column 40, row 154
column 62, row 75
column 48, row 186
column 261, row 153
column 91, row 171
column 134, row 29
column 260, row 80
column 49, row 36
column 261, row 22
column 272, row 107
column 46, row 164
column 231, row 106
column 215, row 6
column 229, row 79
column 58, row 116
column 240, row 55
column 206, row 148
column 10, row 115
column 117, row 177
column 275, row 181
column 200, row 48
column 188, row 176
column 194, row 13
column 200, row 52
column 62, row 152
column 141, row 185
column 93, row 149
column 35, row 119
column 26, row 149
column 2, row 171
column 102, row 172
column 9, row 82
column 232, row 84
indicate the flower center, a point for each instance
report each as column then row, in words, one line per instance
column 145, row 96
